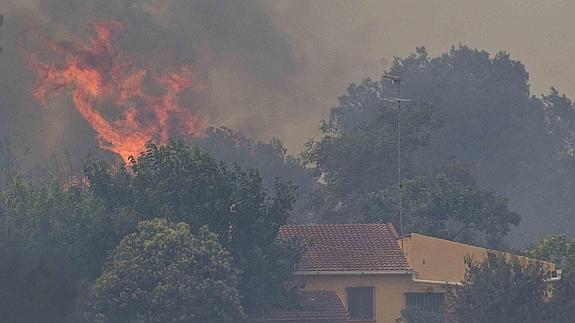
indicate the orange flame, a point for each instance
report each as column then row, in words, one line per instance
column 99, row 77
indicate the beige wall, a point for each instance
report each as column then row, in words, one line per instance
column 443, row 260
column 431, row 258
column 389, row 290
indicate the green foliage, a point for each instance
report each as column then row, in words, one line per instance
column 51, row 240
column 67, row 224
column 35, row 288
column 162, row 273
column 502, row 290
column 515, row 143
column 560, row 114
column 270, row 159
column 563, row 302
column 420, row 316
column 55, row 239
column 458, row 115
column 561, row 251
column 358, row 151
column 447, row 196
column 181, row 184
column 557, row 248
column 485, row 107
column 8, row 166
column 483, row 115
column 274, row 264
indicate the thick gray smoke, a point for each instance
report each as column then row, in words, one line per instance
column 244, row 58
column 276, row 67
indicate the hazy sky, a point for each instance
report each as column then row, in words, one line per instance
column 275, row 67
column 341, row 41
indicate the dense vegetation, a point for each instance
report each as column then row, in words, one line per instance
column 127, row 243
column 502, row 290
column 71, row 247
column 560, row 250
column 162, row 272
column 470, row 110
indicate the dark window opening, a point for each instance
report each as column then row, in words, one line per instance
column 433, row 303
column 360, row 303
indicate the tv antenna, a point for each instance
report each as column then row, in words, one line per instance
column 398, row 100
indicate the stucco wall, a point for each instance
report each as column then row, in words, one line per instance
column 432, row 258
column 389, row 290
column 443, row 260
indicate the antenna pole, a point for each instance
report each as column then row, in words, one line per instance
column 400, row 201
column 398, row 100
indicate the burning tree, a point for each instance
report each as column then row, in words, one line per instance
column 126, row 104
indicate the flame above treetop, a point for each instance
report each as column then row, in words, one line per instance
column 125, row 104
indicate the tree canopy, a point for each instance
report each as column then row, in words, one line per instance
column 560, row 250
column 460, row 114
column 163, row 273
column 358, row 151
column 513, row 142
column 447, row 203
column 129, row 242
column 468, row 106
column 57, row 238
column 499, row 289
column 182, row 184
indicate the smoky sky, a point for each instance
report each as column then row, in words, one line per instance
column 345, row 41
column 235, row 47
column 274, row 68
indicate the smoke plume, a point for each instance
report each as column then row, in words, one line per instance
column 235, row 49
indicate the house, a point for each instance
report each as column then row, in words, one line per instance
column 376, row 273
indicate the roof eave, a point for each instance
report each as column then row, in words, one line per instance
column 353, row 272
column 313, row 319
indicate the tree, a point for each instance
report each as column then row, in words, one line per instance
column 358, row 151
column 54, row 239
column 421, row 316
column 514, row 142
column 483, row 114
column 561, row 251
column 64, row 224
column 163, row 273
column 560, row 114
column 43, row 253
column 270, row 159
column 502, row 290
column 557, row 248
column 8, row 167
column 35, row 288
column 447, row 203
column 182, row 184
column 487, row 112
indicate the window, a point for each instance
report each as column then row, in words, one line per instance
column 427, row 302
column 360, row 303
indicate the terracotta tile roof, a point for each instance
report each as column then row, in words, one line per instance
column 348, row 247
column 318, row 306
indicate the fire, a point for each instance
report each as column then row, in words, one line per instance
column 125, row 104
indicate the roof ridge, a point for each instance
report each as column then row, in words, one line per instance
column 334, row 224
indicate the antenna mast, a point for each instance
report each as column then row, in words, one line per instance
column 398, row 100
column 400, row 202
